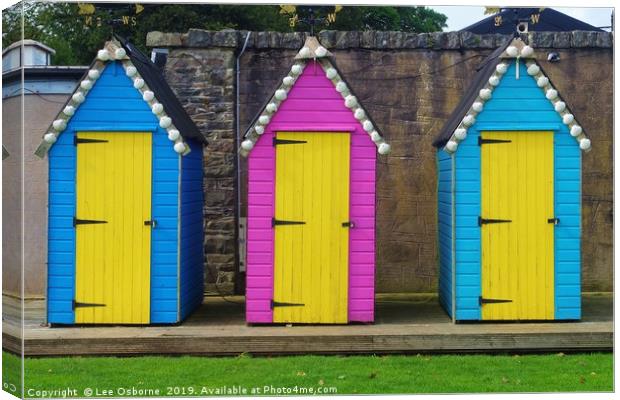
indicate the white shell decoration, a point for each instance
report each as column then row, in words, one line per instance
column 584, row 144
column 148, row 95
column 341, row 87
column 280, row 94
column 49, row 138
column 179, row 147
column 375, row 137
column 320, row 51
column 86, row 84
column 460, row 133
column 367, row 125
column 288, row 81
column 331, row 73
column 384, row 148
column 575, row 130
column 478, row 106
column 350, row 101
column 78, row 97
column 103, row 55
column 94, row 74
column 559, row 106
column 501, row 68
column 359, row 114
column 542, row 81
column 173, row 135
column 568, row 119
column 527, row 51
column 271, row 107
column 131, row 71
column 296, row 69
column 512, row 51
column 551, row 94
column 485, row 94
column 68, row 111
column 165, row 122
column 138, row 83
column 533, row 70
column 59, row 124
column 469, row 120
column 451, row 146
column 259, row 129
column 120, row 53
column 494, row 80
column 263, row 119
column 157, row 108
column 305, row 52
column 247, row 144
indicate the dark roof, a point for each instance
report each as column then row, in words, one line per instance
column 154, row 78
column 483, row 72
column 549, row 20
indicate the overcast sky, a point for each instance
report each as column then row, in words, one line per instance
column 461, row 16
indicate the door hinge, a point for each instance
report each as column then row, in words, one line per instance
column 275, row 304
column 151, row 222
column 275, row 222
column 482, row 141
column 277, row 141
column 78, row 140
column 348, row 224
column 482, row 300
column 484, row 221
column 553, row 221
column 77, row 304
column 77, row 221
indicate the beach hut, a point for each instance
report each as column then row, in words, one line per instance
column 311, row 199
column 125, row 198
column 509, row 196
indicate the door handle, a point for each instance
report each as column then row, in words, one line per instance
column 151, row 222
column 553, row 221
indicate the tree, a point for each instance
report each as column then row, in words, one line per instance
column 62, row 27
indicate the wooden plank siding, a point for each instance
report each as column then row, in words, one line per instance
column 192, row 255
column 313, row 104
column 444, row 223
column 113, row 105
column 518, row 104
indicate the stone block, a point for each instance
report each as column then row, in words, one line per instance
column 163, row 39
column 347, row 39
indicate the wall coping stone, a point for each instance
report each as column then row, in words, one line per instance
column 381, row 40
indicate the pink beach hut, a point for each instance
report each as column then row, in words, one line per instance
column 311, row 199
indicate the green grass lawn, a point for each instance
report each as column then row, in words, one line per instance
column 348, row 374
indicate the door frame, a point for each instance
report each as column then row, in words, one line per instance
column 551, row 129
column 142, row 128
column 348, row 264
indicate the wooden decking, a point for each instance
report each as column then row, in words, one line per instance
column 405, row 324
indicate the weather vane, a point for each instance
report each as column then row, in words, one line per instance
column 117, row 14
column 310, row 16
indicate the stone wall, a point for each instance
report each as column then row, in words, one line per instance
column 409, row 83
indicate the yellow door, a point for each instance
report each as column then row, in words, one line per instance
column 113, row 244
column 311, row 243
column 516, row 231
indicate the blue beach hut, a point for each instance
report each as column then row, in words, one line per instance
column 509, row 196
column 125, row 198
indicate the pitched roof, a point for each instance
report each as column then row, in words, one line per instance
column 312, row 50
column 544, row 20
column 155, row 80
column 147, row 79
column 488, row 76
